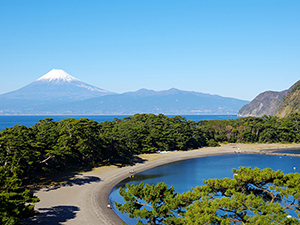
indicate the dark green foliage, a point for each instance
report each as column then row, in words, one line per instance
column 50, row 146
column 212, row 143
column 18, row 148
column 78, row 142
column 148, row 133
column 252, row 196
column 156, row 204
column 266, row 129
column 14, row 199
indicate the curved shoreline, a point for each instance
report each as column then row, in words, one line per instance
column 84, row 199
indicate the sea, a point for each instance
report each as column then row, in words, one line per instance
column 9, row 121
column 186, row 174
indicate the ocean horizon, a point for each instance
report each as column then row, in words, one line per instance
column 7, row 121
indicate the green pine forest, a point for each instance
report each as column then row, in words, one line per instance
column 29, row 154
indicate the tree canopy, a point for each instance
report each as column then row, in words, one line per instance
column 48, row 146
column 252, row 196
column 156, row 204
column 14, row 200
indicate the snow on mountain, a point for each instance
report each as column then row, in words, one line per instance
column 56, row 85
column 59, row 75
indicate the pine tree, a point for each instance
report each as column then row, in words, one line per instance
column 14, row 200
column 252, row 196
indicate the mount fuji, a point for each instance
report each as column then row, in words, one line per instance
column 57, row 85
column 47, row 94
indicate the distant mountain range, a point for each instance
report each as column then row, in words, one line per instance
column 57, row 92
column 274, row 103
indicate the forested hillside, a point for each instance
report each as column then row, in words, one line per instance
column 27, row 153
column 265, row 103
column 290, row 103
column 272, row 103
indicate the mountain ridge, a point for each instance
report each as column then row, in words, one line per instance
column 265, row 103
column 57, row 92
column 274, row 103
column 175, row 102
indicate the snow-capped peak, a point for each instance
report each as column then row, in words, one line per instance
column 59, row 75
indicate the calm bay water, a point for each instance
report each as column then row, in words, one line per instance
column 184, row 175
column 10, row 121
column 290, row 151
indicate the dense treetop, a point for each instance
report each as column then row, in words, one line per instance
column 51, row 146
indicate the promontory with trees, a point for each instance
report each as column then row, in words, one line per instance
column 30, row 153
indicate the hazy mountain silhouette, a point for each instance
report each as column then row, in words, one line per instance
column 59, row 93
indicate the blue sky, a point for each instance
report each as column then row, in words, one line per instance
column 230, row 48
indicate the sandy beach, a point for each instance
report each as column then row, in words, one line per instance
column 83, row 199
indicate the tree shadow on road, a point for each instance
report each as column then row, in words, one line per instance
column 75, row 181
column 54, row 215
column 135, row 160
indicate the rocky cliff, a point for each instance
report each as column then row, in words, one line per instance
column 274, row 103
column 265, row 103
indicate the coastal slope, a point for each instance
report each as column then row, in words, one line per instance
column 290, row 103
column 274, row 103
column 265, row 103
